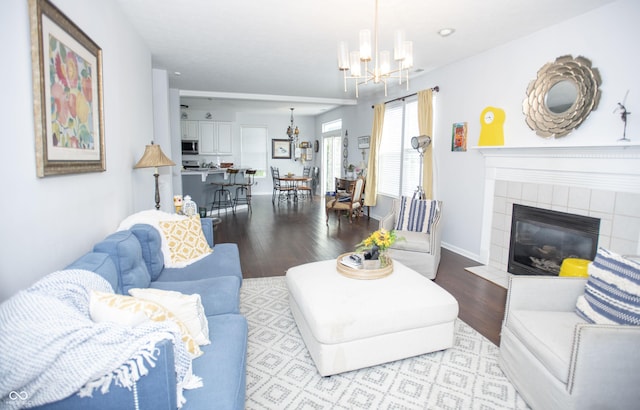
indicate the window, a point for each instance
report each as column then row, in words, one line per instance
column 398, row 162
column 332, row 126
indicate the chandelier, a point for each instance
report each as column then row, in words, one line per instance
column 381, row 71
column 291, row 130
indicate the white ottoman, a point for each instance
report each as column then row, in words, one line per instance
column 349, row 324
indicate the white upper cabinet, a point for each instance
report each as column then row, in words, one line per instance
column 189, row 130
column 208, row 142
column 215, row 138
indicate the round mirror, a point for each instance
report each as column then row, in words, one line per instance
column 562, row 96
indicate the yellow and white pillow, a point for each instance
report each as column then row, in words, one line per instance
column 110, row 307
column 186, row 240
column 187, row 308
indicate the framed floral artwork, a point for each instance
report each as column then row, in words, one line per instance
column 67, row 94
column 280, row 149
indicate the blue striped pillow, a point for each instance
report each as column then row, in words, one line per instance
column 416, row 215
column 612, row 292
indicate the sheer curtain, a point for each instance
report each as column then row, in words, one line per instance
column 425, row 124
column 371, row 190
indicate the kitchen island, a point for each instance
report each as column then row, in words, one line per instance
column 201, row 183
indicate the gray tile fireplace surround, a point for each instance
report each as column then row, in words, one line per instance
column 598, row 195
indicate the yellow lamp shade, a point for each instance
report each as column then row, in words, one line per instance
column 575, row 267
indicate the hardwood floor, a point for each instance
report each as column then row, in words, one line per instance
column 274, row 237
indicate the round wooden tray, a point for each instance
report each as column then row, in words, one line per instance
column 364, row 274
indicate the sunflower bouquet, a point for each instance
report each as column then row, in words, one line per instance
column 374, row 247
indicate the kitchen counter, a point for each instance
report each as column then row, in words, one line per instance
column 201, row 190
column 204, row 172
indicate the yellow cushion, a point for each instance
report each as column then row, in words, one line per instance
column 110, row 307
column 187, row 308
column 185, row 239
column 574, row 267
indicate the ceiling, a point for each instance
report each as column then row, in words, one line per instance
column 272, row 55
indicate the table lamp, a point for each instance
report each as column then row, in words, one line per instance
column 153, row 157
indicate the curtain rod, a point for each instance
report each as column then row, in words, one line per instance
column 434, row 89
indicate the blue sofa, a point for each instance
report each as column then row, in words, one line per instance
column 133, row 259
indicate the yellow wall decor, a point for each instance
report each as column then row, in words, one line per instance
column 492, row 127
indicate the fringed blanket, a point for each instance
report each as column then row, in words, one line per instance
column 50, row 348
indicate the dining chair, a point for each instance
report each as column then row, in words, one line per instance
column 351, row 204
column 278, row 188
column 304, row 187
column 315, row 182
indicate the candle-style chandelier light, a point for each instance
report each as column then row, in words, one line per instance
column 381, row 72
column 292, row 131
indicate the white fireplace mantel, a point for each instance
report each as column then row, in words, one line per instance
column 607, row 167
column 614, row 168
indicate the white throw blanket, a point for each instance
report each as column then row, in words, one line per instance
column 50, row 348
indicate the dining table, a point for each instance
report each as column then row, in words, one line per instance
column 293, row 182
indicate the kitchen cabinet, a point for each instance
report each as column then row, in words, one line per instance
column 189, row 130
column 215, row 138
column 208, row 143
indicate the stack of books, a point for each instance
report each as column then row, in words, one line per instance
column 353, row 261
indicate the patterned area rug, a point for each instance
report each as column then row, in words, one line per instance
column 282, row 375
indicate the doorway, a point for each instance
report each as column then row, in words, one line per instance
column 332, row 161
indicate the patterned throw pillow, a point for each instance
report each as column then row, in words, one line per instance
column 110, row 307
column 187, row 308
column 612, row 292
column 416, row 215
column 186, row 239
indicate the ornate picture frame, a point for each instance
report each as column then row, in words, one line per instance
column 67, row 94
column 280, row 149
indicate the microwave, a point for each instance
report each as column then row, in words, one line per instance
column 190, row 147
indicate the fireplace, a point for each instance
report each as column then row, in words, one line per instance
column 541, row 239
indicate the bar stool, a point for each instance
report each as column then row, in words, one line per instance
column 222, row 196
column 243, row 191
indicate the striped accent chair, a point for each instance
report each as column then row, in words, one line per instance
column 418, row 222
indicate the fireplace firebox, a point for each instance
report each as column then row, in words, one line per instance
column 541, row 239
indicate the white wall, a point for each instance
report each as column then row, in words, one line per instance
column 49, row 222
column 499, row 77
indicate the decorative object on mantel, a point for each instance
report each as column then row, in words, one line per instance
column 153, row 157
column 623, row 116
column 381, row 71
column 492, row 127
column 562, row 96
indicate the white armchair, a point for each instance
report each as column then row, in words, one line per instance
column 419, row 251
column 555, row 359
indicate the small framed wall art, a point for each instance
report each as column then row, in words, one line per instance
column 280, row 149
column 459, row 136
column 363, row 142
column 67, row 94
